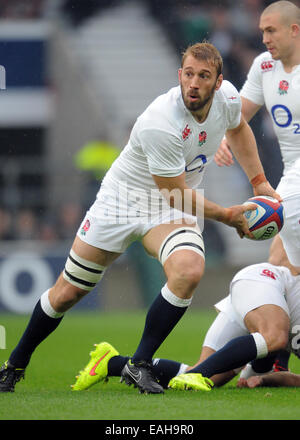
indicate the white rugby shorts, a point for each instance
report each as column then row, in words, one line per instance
column 250, row 289
column 222, row 330
column 247, row 295
column 229, row 323
column 112, row 223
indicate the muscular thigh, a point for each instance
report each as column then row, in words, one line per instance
column 266, row 318
column 93, row 254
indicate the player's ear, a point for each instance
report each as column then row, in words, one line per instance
column 179, row 74
column 295, row 28
column 219, row 81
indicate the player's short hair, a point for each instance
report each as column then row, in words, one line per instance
column 204, row 51
column 289, row 12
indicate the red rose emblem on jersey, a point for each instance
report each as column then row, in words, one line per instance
column 85, row 227
column 283, row 87
column 202, row 138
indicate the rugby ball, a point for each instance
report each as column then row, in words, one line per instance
column 267, row 219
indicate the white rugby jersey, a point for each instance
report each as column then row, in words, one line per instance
column 166, row 140
column 268, row 83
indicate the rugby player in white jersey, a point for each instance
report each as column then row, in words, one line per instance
column 170, row 146
column 274, row 81
column 254, row 293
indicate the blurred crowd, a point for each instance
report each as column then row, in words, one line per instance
column 24, row 9
column 28, row 224
column 232, row 26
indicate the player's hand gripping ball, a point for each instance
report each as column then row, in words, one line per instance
column 267, row 219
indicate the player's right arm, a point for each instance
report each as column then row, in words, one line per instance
column 278, row 379
column 252, row 98
column 223, row 156
column 190, row 201
column 249, row 108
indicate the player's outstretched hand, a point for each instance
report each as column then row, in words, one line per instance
column 224, row 156
column 251, row 382
column 235, row 218
column 242, row 383
column 265, row 189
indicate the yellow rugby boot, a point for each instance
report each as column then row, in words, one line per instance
column 96, row 369
column 191, row 381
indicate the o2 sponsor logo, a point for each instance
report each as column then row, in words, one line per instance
column 198, row 163
column 285, row 119
column 31, row 266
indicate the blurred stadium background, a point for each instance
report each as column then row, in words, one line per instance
column 78, row 73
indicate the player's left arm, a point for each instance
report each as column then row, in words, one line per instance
column 243, row 145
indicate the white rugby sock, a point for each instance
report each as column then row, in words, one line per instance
column 173, row 299
column 261, row 345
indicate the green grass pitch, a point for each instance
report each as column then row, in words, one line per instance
column 46, row 394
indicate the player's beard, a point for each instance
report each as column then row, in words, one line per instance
column 198, row 105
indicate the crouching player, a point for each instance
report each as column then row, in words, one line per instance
column 256, row 320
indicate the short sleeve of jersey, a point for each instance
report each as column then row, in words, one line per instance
column 233, row 104
column 253, row 88
column 164, row 152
